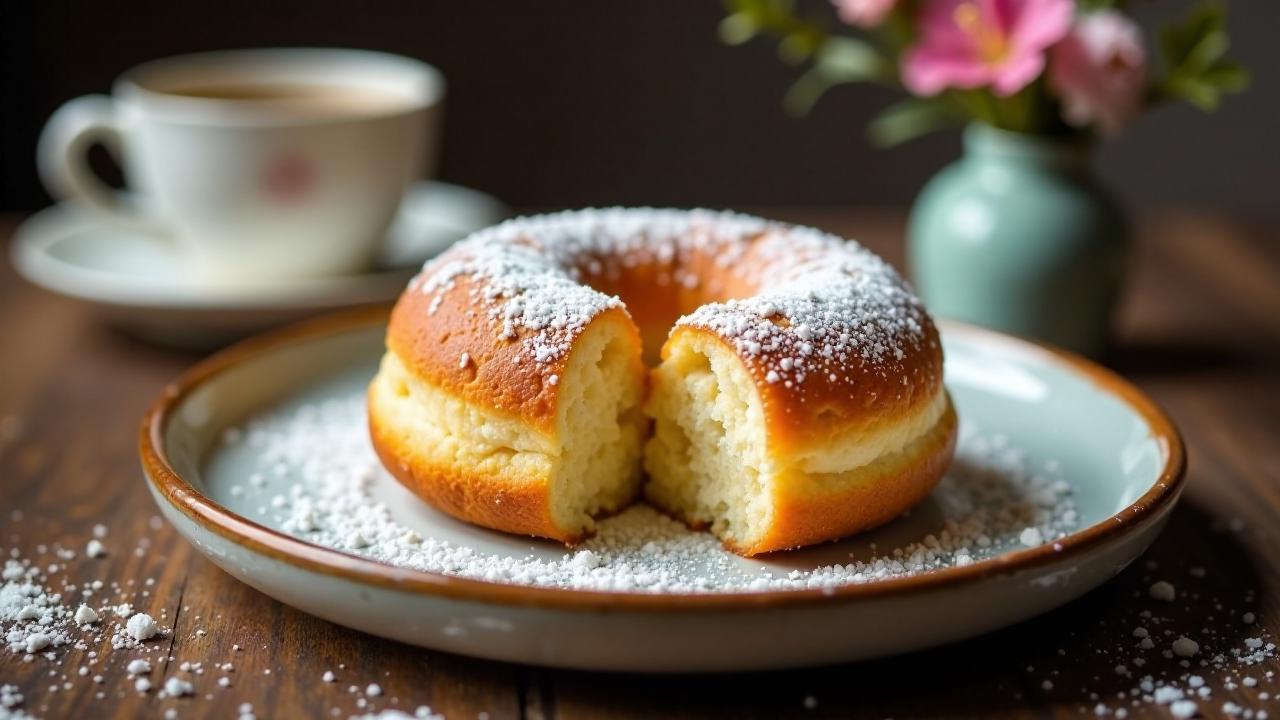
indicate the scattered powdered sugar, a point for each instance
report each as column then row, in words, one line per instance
column 43, row 613
column 38, row 623
column 824, row 304
column 1177, row 649
column 1162, row 590
column 177, row 687
column 1031, row 537
column 990, row 503
column 1185, row 647
column 95, row 549
column 423, row 712
column 32, row 616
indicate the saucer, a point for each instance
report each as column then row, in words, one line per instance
column 138, row 283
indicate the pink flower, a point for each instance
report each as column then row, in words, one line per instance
column 864, row 13
column 980, row 43
column 1100, row 71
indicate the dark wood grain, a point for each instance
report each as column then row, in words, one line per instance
column 1200, row 331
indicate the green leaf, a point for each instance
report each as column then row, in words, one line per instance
column 1177, row 40
column 1202, row 95
column 798, row 38
column 1227, row 76
column 737, row 29
column 796, row 48
column 908, row 120
column 1206, row 51
column 848, row 59
column 838, row 61
column 1196, row 66
column 805, row 92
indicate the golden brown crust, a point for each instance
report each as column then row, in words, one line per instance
column 507, row 504
column 806, row 513
column 495, row 374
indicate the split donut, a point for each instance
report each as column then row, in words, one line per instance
column 797, row 396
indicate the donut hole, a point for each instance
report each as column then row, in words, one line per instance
column 659, row 287
column 706, row 457
column 601, row 426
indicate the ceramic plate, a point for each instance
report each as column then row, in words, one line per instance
column 1114, row 453
column 137, row 281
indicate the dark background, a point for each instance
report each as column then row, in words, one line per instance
column 556, row 103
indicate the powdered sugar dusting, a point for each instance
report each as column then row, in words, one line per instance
column 337, row 498
column 823, row 302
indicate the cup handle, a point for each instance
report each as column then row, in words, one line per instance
column 62, row 156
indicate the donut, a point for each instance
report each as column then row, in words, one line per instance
column 774, row 384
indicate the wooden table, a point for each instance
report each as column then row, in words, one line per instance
column 1200, row 331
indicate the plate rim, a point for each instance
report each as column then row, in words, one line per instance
column 304, row 555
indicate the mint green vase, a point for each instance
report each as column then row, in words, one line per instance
column 1019, row 236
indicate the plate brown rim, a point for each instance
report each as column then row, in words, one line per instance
column 183, row 496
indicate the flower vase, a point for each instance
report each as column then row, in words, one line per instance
column 1019, row 236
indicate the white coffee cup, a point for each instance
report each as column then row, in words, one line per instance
column 257, row 164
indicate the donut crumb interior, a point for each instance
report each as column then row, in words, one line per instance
column 706, row 458
column 601, row 426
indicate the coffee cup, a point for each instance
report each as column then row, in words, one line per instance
column 255, row 164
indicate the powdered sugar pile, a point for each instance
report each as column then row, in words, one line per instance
column 824, row 304
column 335, row 496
